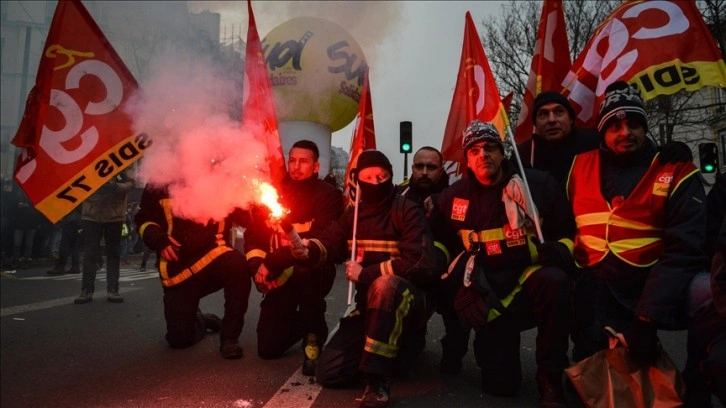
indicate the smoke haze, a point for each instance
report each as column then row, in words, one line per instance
column 199, row 150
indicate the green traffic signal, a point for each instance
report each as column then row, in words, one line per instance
column 708, row 157
column 406, row 148
column 709, row 168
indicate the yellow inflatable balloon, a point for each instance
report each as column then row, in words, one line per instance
column 316, row 71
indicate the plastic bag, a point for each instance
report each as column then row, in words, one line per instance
column 611, row 379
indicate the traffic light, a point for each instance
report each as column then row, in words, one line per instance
column 406, row 136
column 708, row 155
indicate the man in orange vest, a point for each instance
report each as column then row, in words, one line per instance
column 640, row 234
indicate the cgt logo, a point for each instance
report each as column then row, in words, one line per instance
column 665, row 178
column 458, row 209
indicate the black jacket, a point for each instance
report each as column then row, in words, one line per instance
column 486, row 211
column 556, row 158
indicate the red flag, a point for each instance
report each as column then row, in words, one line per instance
column 661, row 47
column 475, row 97
column 75, row 135
column 550, row 63
column 258, row 112
column 364, row 138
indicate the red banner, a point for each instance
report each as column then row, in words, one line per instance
column 661, row 47
column 550, row 63
column 475, row 97
column 75, row 135
column 364, row 138
column 258, row 111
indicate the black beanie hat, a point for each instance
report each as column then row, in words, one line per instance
column 621, row 101
column 373, row 158
column 548, row 97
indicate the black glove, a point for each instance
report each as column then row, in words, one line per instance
column 675, row 152
column 642, row 341
column 554, row 254
column 471, row 308
column 254, row 264
column 277, row 261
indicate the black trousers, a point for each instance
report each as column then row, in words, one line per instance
column 369, row 339
column 229, row 272
column 544, row 303
column 294, row 309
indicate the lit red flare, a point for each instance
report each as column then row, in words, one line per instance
column 269, row 197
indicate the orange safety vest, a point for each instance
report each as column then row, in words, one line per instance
column 633, row 229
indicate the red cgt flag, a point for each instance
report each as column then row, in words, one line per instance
column 258, row 112
column 74, row 134
column 364, row 138
column 550, row 63
column 475, row 97
column 660, row 46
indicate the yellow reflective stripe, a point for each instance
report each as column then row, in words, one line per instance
column 694, row 171
column 303, row 227
column 495, row 234
column 284, row 276
column 632, row 243
column 443, row 249
column 196, row 267
column 592, row 219
column 593, row 242
column 144, row 225
column 256, row 253
column 323, row 251
column 569, row 244
column 166, row 206
column 619, row 221
column 518, row 288
column 375, row 245
column 380, row 348
column 299, row 227
column 401, row 312
column 386, row 268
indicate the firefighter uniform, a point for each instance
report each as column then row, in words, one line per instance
column 390, row 295
column 296, row 308
column 207, row 263
column 519, row 292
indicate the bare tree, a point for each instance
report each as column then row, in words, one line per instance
column 509, row 39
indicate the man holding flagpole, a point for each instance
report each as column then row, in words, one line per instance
column 506, row 280
column 391, row 270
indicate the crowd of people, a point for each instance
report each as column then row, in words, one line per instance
column 599, row 227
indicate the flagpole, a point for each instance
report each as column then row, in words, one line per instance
column 354, row 246
column 510, row 135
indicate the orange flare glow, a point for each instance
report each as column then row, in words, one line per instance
column 269, row 197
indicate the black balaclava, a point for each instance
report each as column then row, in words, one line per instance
column 374, row 193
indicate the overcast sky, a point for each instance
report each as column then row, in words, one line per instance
column 412, row 47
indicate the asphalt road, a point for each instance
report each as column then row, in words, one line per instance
column 58, row 354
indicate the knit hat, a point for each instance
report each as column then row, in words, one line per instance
column 549, row 97
column 621, row 101
column 373, row 158
column 479, row 131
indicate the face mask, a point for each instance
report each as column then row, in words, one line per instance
column 375, row 193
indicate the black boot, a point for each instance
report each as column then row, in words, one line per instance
column 377, row 392
column 551, row 391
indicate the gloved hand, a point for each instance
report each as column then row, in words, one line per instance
column 554, row 254
column 471, row 308
column 266, row 282
column 642, row 339
column 675, row 152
